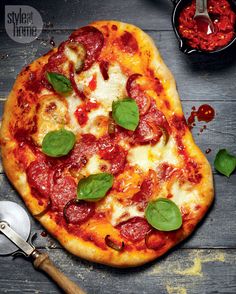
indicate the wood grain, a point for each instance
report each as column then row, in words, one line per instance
column 43, row 262
column 188, row 270
column 148, row 14
column 208, row 257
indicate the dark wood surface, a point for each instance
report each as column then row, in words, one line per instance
column 208, row 256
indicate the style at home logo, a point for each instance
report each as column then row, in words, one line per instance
column 23, row 23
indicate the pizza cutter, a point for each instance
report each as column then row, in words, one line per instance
column 14, row 232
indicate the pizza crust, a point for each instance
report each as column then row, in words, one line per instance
column 72, row 243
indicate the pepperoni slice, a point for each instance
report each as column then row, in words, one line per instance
column 146, row 190
column 114, row 153
column 134, row 91
column 64, row 190
column 77, row 212
column 147, row 132
column 79, row 155
column 54, row 64
column 142, row 197
column 92, row 40
column 40, row 177
column 134, row 229
column 151, row 126
column 104, row 69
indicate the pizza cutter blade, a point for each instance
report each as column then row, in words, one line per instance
column 14, row 232
column 17, row 219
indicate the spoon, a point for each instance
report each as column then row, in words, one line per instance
column 204, row 23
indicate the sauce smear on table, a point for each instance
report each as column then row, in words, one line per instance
column 204, row 113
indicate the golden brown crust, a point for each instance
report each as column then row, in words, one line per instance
column 75, row 244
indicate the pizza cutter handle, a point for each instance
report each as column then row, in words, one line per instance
column 43, row 263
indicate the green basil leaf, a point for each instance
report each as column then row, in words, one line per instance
column 125, row 113
column 164, row 215
column 58, row 143
column 59, row 82
column 224, row 162
column 94, row 187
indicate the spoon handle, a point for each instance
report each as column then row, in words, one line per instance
column 201, row 6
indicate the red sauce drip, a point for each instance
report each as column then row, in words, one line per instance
column 224, row 19
column 82, row 112
column 23, row 136
column 44, row 234
column 114, row 27
column 33, row 83
column 93, row 83
column 52, row 42
column 208, row 150
column 192, row 172
column 204, row 113
column 128, row 43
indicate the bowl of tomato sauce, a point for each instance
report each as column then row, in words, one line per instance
column 191, row 40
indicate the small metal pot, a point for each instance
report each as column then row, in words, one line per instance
column 183, row 46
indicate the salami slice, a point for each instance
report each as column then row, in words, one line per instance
column 40, row 177
column 151, row 126
column 79, row 155
column 92, row 40
column 134, row 229
column 114, row 153
column 64, row 190
column 134, row 91
column 77, row 212
column 146, row 190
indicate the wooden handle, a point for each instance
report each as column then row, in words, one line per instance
column 43, row 262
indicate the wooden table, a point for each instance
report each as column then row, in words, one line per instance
column 206, row 262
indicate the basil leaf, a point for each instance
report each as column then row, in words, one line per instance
column 224, row 162
column 94, row 187
column 58, row 143
column 59, row 82
column 125, row 113
column 164, row 215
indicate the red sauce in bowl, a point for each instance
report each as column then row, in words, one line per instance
column 223, row 18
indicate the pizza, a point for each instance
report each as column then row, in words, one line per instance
column 94, row 139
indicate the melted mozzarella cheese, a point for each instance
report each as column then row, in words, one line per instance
column 52, row 115
column 122, row 213
column 95, row 126
column 94, row 166
column 73, row 102
column 149, row 157
column 71, row 55
column 185, row 195
column 106, row 91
